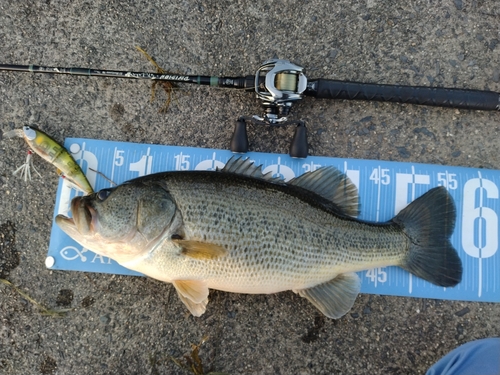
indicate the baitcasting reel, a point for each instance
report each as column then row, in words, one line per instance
column 278, row 84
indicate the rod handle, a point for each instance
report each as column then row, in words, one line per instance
column 431, row 96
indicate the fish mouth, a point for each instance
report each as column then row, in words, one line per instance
column 83, row 221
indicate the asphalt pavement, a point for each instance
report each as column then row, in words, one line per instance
column 132, row 325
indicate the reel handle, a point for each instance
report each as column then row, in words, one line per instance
column 239, row 139
column 298, row 147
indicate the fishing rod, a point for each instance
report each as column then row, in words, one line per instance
column 279, row 84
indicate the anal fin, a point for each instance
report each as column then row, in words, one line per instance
column 194, row 295
column 335, row 297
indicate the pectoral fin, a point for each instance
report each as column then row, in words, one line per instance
column 201, row 250
column 194, row 294
column 335, row 297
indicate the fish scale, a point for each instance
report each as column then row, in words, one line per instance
column 283, row 250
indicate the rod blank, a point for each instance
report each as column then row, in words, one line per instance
column 231, row 82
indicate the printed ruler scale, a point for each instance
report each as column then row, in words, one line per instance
column 384, row 188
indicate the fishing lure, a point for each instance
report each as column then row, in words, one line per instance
column 25, row 169
column 43, row 145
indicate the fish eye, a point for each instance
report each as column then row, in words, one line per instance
column 103, row 194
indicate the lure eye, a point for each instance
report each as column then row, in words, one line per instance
column 29, row 132
column 103, row 194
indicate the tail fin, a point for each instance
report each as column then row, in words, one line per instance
column 429, row 222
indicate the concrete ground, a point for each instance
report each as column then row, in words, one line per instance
column 130, row 325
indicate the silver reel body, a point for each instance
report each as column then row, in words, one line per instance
column 278, row 84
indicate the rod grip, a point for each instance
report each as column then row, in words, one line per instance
column 431, row 96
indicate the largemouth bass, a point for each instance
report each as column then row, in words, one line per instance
column 240, row 231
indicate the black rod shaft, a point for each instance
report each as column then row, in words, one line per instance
column 431, row 96
column 232, row 82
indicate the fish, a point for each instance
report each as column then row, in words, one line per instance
column 47, row 148
column 239, row 230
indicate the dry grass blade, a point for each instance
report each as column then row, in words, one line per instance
column 193, row 363
column 43, row 310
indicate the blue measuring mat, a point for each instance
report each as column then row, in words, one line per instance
column 384, row 188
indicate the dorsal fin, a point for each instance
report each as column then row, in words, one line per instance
column 327, row 182
column 246, row 167
column 332, row 184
